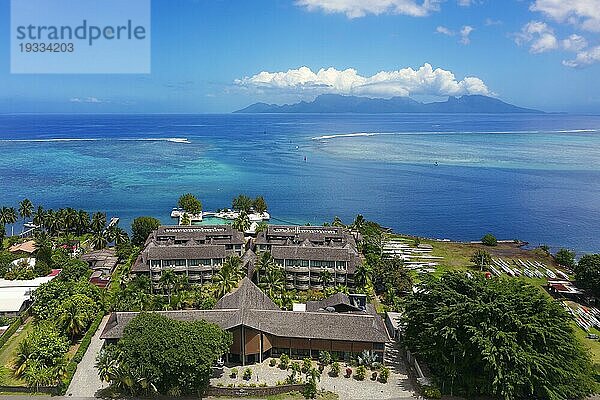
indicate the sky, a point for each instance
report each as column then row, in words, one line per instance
column 216, row 56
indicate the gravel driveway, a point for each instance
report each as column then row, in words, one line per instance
column 86, row 382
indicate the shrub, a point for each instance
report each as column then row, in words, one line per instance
column 306, row 365
column 384, row 374
column 233, row 373
column 565, row 258
column 252, row 384
column 247, row 374
column 262, row 384
column 284, row 361
column 296, row 367
column 361, row 372
column 335, row 369
column 321, row 368
column 272, row 362
column 325, row 357
column 219, row 384
column 489, row 240
column 431, row 392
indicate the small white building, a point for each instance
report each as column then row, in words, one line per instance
column 15, row 296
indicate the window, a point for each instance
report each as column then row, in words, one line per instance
column 155, row 263
column 378, row 346
column 341, row 265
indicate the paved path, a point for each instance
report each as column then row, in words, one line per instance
column 86, row 382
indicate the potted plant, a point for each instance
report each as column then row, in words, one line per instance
column 233, row 373
column 247, row 374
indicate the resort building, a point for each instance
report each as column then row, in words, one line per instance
column 313, row 257
column 196, row 251
column 343, row 325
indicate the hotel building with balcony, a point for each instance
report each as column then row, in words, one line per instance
column 313, row 257
column 195, row 251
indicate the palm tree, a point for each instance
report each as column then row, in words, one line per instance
column 261, row 227
column 326, row 278
column 242, row 222
column 70, row 219
column 98, row 241
column 264, row 263
column 362, row 275
column 107, row 365
column 24, row 351
column 72, row 320
column 98, row 222
column 25, row 210
column 358, row 223
column 51, row 222
column 38, row 216
column 117, row 235
column 83, row 222
column 167, row 281
column 8, row 216
column 228, row 276
column 273, row 282
column 337, row 222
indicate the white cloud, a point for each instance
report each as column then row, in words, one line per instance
column 86, row 100
column 444, row 31
column 582, row 13
column 492, row 22
column 584, row 58
column 574, row 43
column 360, row 8
column 404, row 82
column 539, row 36
column 464, row 34
column 464, row 3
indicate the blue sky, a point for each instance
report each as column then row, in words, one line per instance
column 207, row 56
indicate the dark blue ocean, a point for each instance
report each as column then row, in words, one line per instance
column 531, row 177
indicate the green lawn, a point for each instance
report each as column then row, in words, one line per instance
column 7, row 354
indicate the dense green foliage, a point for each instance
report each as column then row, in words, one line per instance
column 242, row 203
column 73, row 270
column 587, row 273
column 246, row 204
column 141, row 228
column 498, row 337
column 489, row 240
column 565, row 257
column 172, row 357
column 190, row 204
column 71, row 304
column 41, row 356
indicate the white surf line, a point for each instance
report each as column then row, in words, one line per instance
column 172, row 140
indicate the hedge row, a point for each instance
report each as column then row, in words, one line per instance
column 11, row 331
column 83, row 346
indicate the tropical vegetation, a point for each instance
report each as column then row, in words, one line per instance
column 160, row 355
column 497, row 337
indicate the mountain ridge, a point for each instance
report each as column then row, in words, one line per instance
column 334, row 103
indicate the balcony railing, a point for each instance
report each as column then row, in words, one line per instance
column 296, row 269
column 302, row 287
column 302, row 278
